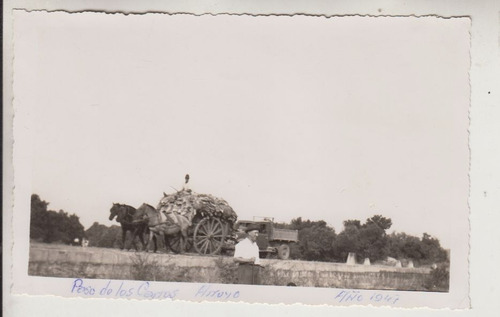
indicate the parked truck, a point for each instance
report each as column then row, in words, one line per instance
column 271, row 240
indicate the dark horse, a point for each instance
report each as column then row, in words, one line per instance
column 128, row 217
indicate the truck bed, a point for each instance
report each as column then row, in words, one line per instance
column 285, row 235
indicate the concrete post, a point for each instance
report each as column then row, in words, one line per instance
column 367, row 261
column 398, row 264
column 410, row 264
column 351, row 258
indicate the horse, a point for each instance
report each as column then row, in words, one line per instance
column 174, row 225
column 128, row 217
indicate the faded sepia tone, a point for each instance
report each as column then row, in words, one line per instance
column 329, row 128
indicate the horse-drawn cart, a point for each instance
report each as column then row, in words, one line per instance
column 201, row 222
column 211, row 221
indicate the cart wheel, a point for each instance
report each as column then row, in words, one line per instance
column 175, row 243
column 209, row 236
column 284, row 251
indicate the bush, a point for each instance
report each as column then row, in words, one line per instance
column 439, row 279
column 143, row 267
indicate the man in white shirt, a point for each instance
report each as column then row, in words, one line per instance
column 246, row 254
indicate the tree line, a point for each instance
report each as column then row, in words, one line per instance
column 320, row 242
column 51, row 226
column 317, row 240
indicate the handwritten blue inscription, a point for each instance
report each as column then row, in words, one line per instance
column 123, row 290
column 145, row 291
column 357, row 297
column 80, row 288
column 207, row 291
column 148, row 290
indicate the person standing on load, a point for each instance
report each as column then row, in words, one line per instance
column 185, row 187
column 246, row 254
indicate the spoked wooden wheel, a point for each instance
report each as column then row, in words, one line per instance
column 209, row 236
column 175, row 244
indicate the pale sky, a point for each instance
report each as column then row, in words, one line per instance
column 324, row 119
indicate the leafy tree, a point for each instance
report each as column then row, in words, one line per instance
column 51, row 226
column 373, row 242
column 348, row 240
column 316, row 240
column 316, row 243
column 355, row 223
column 111, row 237
column 405, row 246
column 382, row 222
column 104, row 237
column 38, row 218
column 367, row 240
column 432, row 250
column 425, row 250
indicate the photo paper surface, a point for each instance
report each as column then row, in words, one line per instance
column 148, row 148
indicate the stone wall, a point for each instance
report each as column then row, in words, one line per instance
column 116, row 264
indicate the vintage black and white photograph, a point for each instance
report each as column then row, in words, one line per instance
column 248, row 152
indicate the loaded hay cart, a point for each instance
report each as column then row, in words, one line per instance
column 212, row 220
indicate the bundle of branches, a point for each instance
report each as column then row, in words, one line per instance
column 205, row 205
